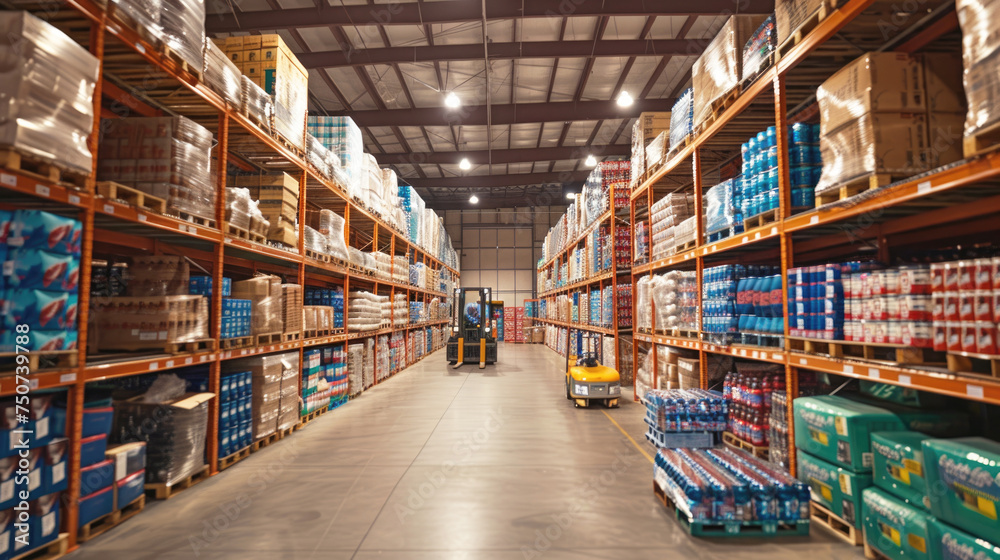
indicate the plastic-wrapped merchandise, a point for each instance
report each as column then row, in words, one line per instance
column 690, row 410
column 665, row 215
column 243, row 212
column 221, row 75
column 720, row 214
column 256, row 103
column 141, row 15
column 158, row 275
column 776, row 494
column 175, row 432
column 314, row 240
column 334, row 231
column 47, row 88
column 182, row 27
column 167, row 157
column 682, row 118
column 364, row 311
column 718, row 70
column 318, row 156
column 891, row 143
column 355, row 367
column 343, row 137
column 980, row 59
column 758, row 48
column 685, row 232
column 146, row 323
column 265, row 292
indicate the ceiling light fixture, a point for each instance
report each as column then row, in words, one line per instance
column 474, row 199
column 451, row 100
column 591, row 161
column 464, row 165
column 570, row 196
column 624, row 99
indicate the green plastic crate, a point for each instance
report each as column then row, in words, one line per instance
column 949, row 543
column 963, row 482
column 839, row 430
column 895, row 529
column 835, row 488
column 898, row 466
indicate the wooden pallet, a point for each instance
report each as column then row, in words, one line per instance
column 265, row 441
column 237, row 342
column 290, row 336
column 104, row 524
column 252, row 117
column 686, row 246
column 286, row 143
column 28, row 164
column 983, row 141
column 310, row 417
column 761, row 220
column 134, row 197
column 40, row 360
column 895, row 353
column 50, row 551
column 807, row 26
column 201, row 345
column 736, row 443
column 164, row 491
column 835, row 524
column 975, row 364
column 852, row 188
column 871, row 553
column 230, row 460
column 321, row 257
column 267, row 338
column 244, row 234
column 183, row 64
column 198, row 220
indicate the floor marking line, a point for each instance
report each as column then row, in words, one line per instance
column 622, row 430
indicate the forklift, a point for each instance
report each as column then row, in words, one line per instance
column 587, row 380
column 472, row 337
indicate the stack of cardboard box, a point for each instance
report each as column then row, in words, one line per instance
column 268, row 62
column 277, row 196
column 889, row 113
column 647, row 127
column 291, row 308
column 265, row 293
column 720, row 67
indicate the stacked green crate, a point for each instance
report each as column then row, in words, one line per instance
column 838, row 430
column 898, row 466
column 895, row 529
column 834, row 487
column 963, row 483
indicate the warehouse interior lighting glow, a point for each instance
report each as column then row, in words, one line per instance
column 624, row 99
column 591, row 161
column 473, row 199
column 451, row 100
column 464, row 165
column 570, row 195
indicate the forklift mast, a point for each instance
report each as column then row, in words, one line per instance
column 472, row 338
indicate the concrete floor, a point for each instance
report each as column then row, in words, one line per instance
column 443, row 464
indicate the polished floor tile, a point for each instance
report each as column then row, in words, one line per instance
column 443, row 464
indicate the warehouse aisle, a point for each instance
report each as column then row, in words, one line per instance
column 441, row 464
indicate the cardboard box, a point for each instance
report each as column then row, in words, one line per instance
column 963, row 478
column 269, row 182
column 282, row 232
column 898, row 466
column 835, row 488
column 884, row 82
column 949, row 543
column 649, row 125
column 253, row 70
column 179, row 428
column 252, row 42
column 894, row 528
column 839, row 430
column 128, row 458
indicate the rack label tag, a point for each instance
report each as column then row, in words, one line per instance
column 974, row 391
column 42, row 190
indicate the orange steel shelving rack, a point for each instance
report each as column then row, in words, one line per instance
column 948, row 202
column 164, row 86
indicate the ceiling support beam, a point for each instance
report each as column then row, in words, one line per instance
column 515, row 155
column 498, row 181
column 499, row 51
column 456, row 11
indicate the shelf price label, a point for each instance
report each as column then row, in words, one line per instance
column 974, row 391
column 42, row 190
column 814, row 220
column 874, row 373
column 848, row 368
column 9, row 180
column 73, row 199
column 905, row 379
